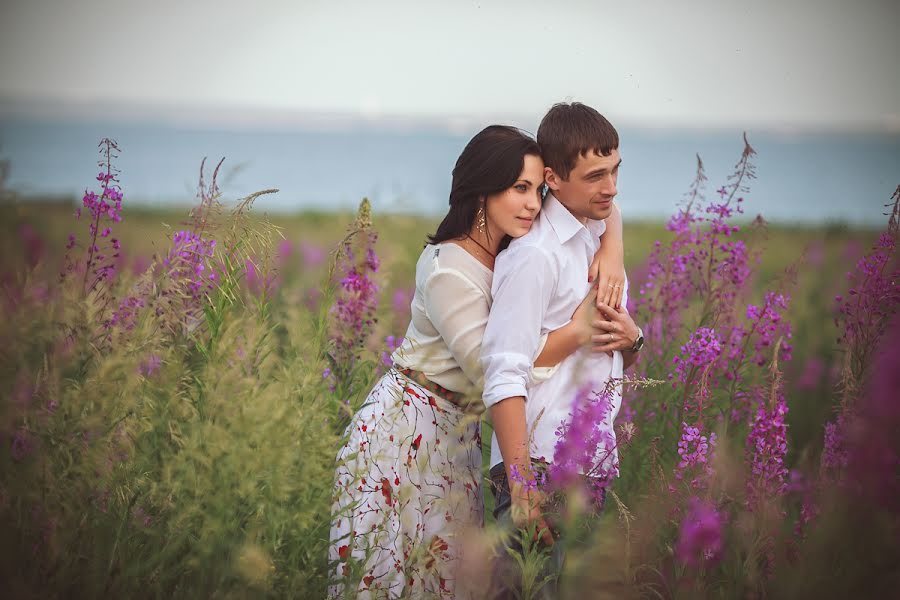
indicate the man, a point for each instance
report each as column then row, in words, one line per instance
column 538, row 283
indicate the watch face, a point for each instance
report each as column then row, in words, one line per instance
column 639, row 343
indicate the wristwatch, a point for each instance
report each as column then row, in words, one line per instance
column 639, row 342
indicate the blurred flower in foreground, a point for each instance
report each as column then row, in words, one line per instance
column 391, row 344
column 700, row 536
column 586, row 442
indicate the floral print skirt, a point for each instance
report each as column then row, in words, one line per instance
column 407, row 493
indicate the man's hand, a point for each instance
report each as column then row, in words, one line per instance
column 616, row 332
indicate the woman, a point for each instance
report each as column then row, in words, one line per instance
column 409, row 477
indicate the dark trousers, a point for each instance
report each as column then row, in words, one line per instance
column 507, row 577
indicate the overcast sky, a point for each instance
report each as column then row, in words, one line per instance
column 696, row 63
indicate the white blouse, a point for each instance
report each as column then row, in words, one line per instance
column 449, row 312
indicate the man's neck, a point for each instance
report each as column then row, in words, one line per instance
column 582, row 220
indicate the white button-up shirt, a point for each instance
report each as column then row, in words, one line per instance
column 539, row 281
column 448, row 314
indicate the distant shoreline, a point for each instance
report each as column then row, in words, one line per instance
column 801, row 178
column 37, row 204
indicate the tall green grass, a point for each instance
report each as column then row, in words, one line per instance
column 211, row 474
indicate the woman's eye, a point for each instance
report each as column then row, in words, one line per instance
column 522, row 187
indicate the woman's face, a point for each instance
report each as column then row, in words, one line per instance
column 512, row 212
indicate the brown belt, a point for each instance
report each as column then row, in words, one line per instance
column 438, row 390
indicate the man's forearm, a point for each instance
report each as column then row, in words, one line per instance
column 511, row 430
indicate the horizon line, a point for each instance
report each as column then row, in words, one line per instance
column 246, row 117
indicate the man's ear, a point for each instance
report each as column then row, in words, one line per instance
column 551, row 179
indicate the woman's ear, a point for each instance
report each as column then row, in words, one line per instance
column 551, row 179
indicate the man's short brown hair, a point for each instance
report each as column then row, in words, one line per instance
column 570, row 130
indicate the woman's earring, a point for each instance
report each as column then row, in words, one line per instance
column 481, row 220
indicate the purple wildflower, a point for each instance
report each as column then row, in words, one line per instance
column 400, row 301
column 190, row 267
column 873, row 297
column 353, row 312
column 125, row 316
column 105, row 208
column 800, row 485
column 700, row 536
column 313, row 255
column 149, row 365
column 834, row 454
column 769, row 327
column 284, row 252
column 864, row 318
column 391, row 344
column 767, row 448
column 188, row 260
column 694, row 452
column 529, row 481
column 701, row 262
column 586, row 441
column 703, row 348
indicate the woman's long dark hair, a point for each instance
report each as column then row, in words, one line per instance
column 491, row 162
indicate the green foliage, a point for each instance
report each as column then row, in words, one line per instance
column 212, row 474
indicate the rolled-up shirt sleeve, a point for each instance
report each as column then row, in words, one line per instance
column 524, row 281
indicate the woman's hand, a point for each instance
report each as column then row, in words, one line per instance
column 609, row 269
column 609, row 262
column 528, row 510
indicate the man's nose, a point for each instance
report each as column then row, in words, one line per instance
column 609, row 186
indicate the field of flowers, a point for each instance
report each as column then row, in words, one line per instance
column 176, row 386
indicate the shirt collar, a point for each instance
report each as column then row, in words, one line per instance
column 565, row 224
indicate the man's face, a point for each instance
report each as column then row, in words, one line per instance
column 589, row 191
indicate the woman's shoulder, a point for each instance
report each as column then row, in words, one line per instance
column 447, row 258
column 451, row 255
